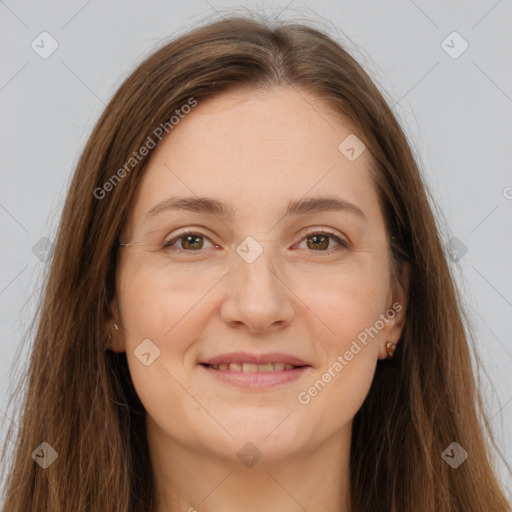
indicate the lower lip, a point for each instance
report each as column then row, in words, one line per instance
column 257, row 380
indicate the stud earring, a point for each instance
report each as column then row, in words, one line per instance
column 110, row 334
column 390, row 348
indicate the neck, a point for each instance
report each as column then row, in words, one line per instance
column 191, row 479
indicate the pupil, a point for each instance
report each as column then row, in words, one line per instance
column 321, row 245
column 188, row 238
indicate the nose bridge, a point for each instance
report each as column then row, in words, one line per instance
column 256, row 296
column 259, row 268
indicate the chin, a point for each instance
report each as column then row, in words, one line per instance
column 275, row 440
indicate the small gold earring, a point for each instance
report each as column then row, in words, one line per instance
column 390, row 348
column 110, row 334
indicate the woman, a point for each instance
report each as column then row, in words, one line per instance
column 248, row 305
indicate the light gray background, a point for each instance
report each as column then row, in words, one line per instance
column 457, row 112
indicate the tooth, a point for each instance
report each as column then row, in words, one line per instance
column 252, row 367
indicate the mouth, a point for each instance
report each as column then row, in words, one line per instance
column 256, row 372
column 252, row 367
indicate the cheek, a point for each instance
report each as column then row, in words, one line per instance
column 162, row 317
column 349, row 307
column 157, row 304
column 337, row 391
column 349, row 301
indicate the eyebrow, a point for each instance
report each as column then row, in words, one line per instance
column 213, row 206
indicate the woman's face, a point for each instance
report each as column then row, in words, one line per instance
column 279, row 277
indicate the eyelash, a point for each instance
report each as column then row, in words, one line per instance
column 188, row 232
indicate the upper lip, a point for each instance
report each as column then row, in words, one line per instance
column 246, row 357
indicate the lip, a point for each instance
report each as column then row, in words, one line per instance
column 246, row 357
column 256, row 380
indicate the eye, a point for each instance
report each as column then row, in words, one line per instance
column 319, row 241
column 190, row 241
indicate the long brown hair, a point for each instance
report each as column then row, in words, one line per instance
column 79, row 397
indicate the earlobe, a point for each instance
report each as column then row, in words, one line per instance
column 111, row 341
column 387, row 350
column 390, row 348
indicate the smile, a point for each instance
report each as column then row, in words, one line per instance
column 255, row 377
column 252, row 367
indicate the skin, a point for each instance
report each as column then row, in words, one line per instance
column 256, row 151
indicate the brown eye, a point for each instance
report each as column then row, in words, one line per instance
column 188, row 242
column 319, row 242
column 192, row 242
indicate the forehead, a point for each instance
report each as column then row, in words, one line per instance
column 256, row 151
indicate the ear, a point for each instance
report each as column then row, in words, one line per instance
column 116, row 343
column 396, row 310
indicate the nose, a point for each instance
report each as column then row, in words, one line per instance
column 257, row 297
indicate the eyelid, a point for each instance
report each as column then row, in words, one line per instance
column 326, row 231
